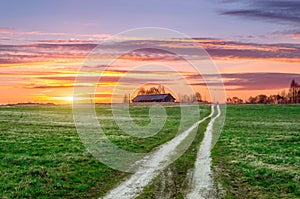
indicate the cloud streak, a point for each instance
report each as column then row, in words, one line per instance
column 13, row 31
column 253, row 81
column 232, row 81
column 271, row 10
column 219, row 49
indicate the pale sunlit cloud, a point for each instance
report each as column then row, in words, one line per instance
column 13, row 31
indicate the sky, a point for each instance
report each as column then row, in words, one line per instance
column 255, row 45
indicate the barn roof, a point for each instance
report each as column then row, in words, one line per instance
column 152, row 97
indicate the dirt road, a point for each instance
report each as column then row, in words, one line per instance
column 151, row 167
column 202, row 185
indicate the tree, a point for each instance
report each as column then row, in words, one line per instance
column 142, row 91
column 198, row 97
column 272, row 99
column 186, row 98
column 152, row 90
column 234, row 100
column 262, row 99
column 294, row 92
column 237, row 100
column 125, row 99
column 161, row 89
column 229, row 100
column 252, row 100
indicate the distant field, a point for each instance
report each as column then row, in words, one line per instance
column 258, row 153
column 42, row 156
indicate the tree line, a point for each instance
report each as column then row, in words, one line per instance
column 290, row 97
column 197, row 97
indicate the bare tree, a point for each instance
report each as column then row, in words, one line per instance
column 294, row 92
column 125, row 99
column 198, row 97
column 142, row 91
column 234, row 100
column 152, row 90
column 161, row 89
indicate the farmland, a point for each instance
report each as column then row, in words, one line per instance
column 257, row 155
column 42, row 155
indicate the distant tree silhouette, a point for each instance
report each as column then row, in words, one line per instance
column 262, row 99
column 125, row 99
column 153, row 90
column 190, row 98
column 234, row 100
column 259, row 99
column 161, row 89
column 251, row 100
column 198, row 97
column 293, row 96
column 142, row 91
column 294, row 92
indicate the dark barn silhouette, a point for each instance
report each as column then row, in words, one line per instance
column 154, row 98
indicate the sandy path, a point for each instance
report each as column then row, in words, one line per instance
column 202, row 184
column 151, row 167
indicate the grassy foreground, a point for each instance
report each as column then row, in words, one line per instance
column 42, row 156
column 258, row 153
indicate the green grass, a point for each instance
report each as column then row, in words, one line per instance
column 258, row 153
column 42, row 156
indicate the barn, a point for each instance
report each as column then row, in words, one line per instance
column 154, row 98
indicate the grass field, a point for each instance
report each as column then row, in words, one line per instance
column 42, row 156
column 257, row 155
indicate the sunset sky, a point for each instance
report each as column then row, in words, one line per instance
column 255, row 44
